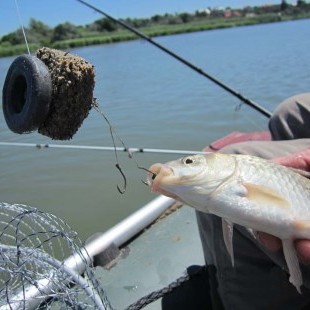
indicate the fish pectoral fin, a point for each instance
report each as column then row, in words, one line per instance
column 228, row 230
column 301, row 224
column 264, row 195
column 292, row 263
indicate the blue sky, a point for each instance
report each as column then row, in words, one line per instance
column 53, row 12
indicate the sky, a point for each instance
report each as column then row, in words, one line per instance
column 54, row 12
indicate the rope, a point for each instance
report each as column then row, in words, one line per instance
column 153, row 296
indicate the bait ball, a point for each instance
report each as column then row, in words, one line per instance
column 73, row 80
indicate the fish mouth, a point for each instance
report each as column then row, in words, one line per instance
column 158, row 175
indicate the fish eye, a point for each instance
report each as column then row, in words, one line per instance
column 188, row 161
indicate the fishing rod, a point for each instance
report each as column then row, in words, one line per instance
column 129, row 150
column 235, row 93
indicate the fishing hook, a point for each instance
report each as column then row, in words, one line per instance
column 121, row 191
column 238, row 107
column 130, row 153
column 97, row 108
column 154, row 175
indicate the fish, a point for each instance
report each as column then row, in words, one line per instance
column 256, row 193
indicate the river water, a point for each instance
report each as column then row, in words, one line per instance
column 153, row 101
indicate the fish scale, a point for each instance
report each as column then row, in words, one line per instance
column 287, row 182
column 242, row 189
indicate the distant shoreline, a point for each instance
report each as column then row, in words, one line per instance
column 155, row 31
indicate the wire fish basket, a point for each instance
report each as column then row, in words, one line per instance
column 36, row 270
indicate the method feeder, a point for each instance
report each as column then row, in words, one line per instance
column 51, row 92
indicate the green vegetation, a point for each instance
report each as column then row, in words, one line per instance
column 103, row 31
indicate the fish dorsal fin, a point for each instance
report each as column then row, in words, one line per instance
column 264, row 195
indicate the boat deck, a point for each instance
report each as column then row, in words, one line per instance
column 159, row 256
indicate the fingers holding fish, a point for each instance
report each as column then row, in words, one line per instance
column 298, row 160
column 303, row 250
column 270, row 242
column 274, row 244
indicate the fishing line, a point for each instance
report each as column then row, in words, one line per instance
column 126, row 149
column 233, row 92
column 112, row 133
column 249, row 102
column 237, row 109
column 21, row 25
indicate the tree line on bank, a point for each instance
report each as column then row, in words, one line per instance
column 41, row 33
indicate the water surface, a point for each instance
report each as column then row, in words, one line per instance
column 154, row 101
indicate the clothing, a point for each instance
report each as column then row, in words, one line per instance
column 259, row 279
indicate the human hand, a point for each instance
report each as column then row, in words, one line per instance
column 274, row 244
column 299, row 160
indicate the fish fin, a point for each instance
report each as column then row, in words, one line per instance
column 253, row 233
column 292, row 263
column 228, row 230
column 264, row 195
column 301, row 224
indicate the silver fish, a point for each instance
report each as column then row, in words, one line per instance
column 245, row 190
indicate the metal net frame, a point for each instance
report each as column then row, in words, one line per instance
column 43, row 264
